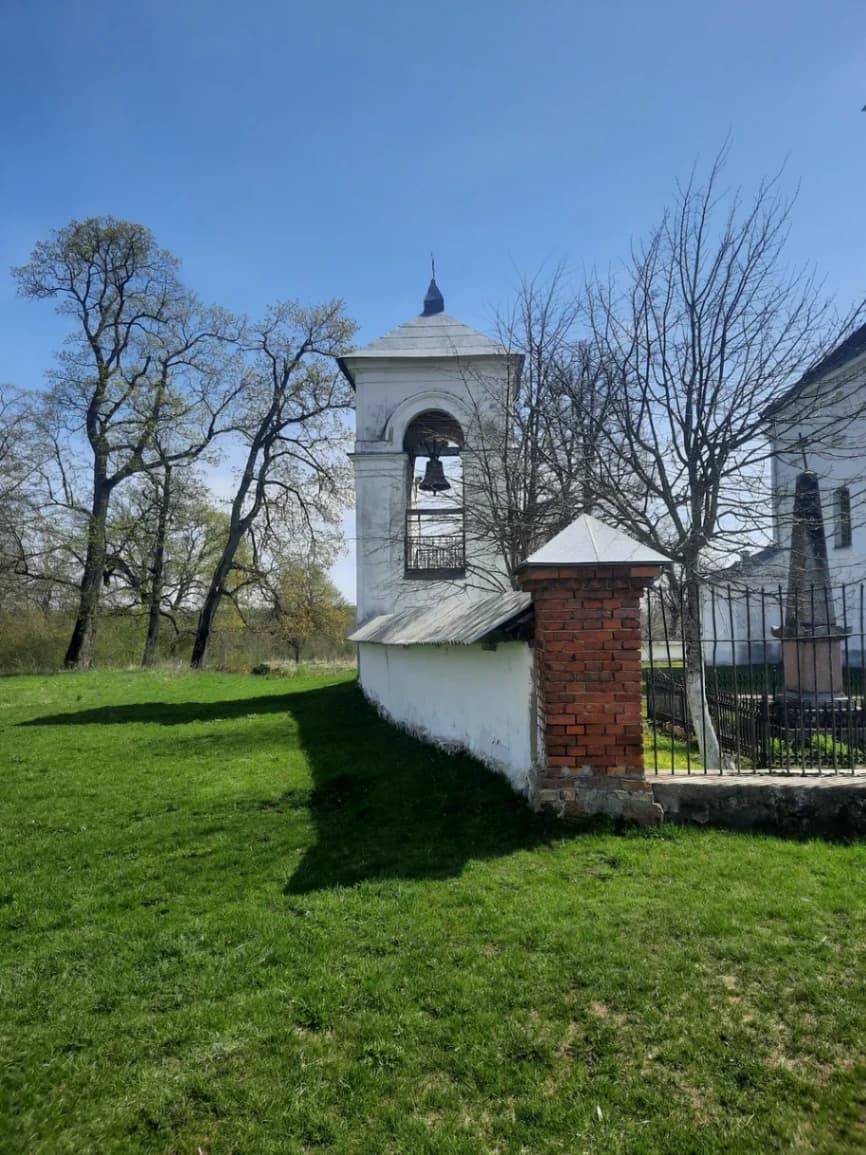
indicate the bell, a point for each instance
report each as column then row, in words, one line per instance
column 434, row 479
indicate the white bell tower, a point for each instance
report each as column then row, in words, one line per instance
column 430, row 399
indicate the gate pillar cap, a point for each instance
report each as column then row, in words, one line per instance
column 590, row 542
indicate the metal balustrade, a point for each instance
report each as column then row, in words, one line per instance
column 808, row 719
column 439, row 554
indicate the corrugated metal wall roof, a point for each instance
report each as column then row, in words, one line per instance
column 459, row 624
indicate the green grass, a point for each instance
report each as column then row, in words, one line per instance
column 665, row 752
column 244, row 915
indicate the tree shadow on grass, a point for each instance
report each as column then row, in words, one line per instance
column 170, row 713
column 388, row 806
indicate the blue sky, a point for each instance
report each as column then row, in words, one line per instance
column 318, row 150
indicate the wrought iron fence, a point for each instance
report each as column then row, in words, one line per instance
column 782, row 694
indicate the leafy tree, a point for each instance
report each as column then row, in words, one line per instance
column 164, row 537
column 306, row 606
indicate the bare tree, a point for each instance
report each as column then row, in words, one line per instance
column 536, row 433
column 706, row 328
column 162, row 483
column 144, row 356
column 294, row 438
column 38, row 565
column 20, row 457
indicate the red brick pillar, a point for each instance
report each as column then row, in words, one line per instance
column 588, row 670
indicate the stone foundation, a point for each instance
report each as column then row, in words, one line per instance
column 831, row 807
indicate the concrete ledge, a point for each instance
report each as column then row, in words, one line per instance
column 834, row 807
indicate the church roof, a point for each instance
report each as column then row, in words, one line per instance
column 433, row 335
column 850, row 349
column 588, row 541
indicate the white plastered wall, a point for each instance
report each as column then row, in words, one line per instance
column 476, row 699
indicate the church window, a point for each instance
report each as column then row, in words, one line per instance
column 842, row 512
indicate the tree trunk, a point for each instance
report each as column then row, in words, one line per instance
column 79, row 654
column 157, row 573
column 696, row 695
column 214, row 597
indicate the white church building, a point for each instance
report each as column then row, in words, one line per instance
column 819, row 425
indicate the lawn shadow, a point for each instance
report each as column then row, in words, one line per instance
column 169, row 713
column 384, row 804
column 388, row 806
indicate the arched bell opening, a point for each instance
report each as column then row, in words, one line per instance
column 435, row 527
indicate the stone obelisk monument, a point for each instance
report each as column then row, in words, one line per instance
column 811, row 638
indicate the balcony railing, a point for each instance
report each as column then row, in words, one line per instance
column 442, row 555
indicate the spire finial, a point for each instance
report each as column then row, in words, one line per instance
column 801, row 445
column 434, row 302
